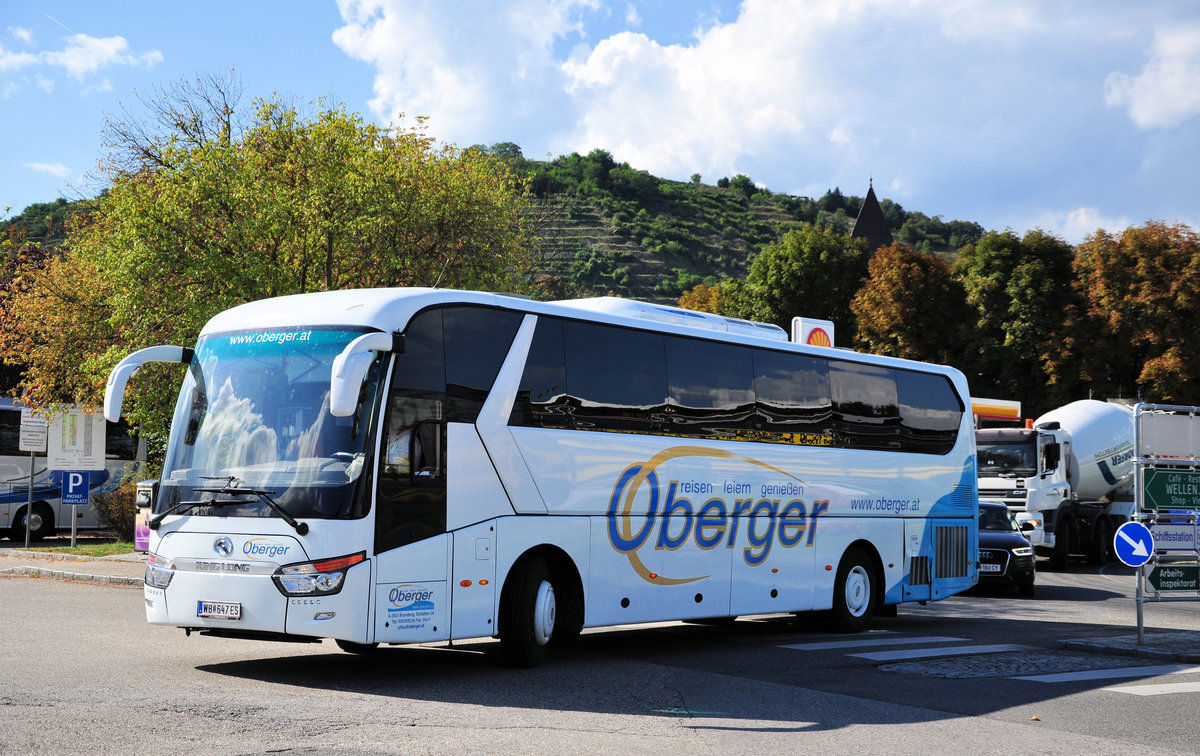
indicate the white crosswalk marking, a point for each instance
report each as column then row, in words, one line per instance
column 929, row 653
column 1161, row 689
column 870, row 642
column 1104, row 674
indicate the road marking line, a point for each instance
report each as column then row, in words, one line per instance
column 1103, row 674
column 1160, row 689
column 925, row 653
column 870, row 642
column 774, row 637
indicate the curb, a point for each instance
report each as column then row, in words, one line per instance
column 59, row 557
column 1190, row 654
column 27, row 570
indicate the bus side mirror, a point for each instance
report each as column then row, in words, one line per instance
column 114, row 390
column 350, row 368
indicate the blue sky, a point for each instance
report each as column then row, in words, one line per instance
column 1067, row 116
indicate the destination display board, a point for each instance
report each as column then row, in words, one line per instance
column 1165, row 488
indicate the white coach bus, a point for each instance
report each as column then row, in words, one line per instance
column 398, row 466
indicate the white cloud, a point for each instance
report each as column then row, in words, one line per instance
column 21, row 33
column 54, row 169
column 472, row 68
column 85, row 55
column 11, row 61
column 632, row 17
column 961, row 108
column 81, row 56
column 1166, row 92
column 1076, row 225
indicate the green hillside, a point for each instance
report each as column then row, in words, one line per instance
column 609, row 228
column 605, row 227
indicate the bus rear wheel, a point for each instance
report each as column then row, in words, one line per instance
column 528, row 613
column 853, row 593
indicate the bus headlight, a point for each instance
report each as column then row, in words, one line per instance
column 159, row 571
column 320, row 578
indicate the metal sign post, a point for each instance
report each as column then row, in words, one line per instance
column 34, row 431
column 75, row 487
column 1167, row 499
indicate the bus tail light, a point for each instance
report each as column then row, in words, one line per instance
column 318, row 578
column 159, row 571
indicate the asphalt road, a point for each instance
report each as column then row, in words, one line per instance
column 81, row 672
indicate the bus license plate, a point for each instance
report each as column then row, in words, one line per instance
column 218, row 610
column 989, row 568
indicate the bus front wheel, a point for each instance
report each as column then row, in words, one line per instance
column 528, row 613
column 41, row 524
column 853, row 593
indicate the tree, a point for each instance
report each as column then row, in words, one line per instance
column 1140, row 307
column 209, row 214
column 743, row 184
column 811, row 272
column 1019, row 290
column 912, row 307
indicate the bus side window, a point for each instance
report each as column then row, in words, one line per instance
column 930, row 412
column 866, row 408
column 711, row 388
column 477, row 341
column 541, row 397
column 10, row 433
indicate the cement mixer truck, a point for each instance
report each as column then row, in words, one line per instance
column 1068, row 479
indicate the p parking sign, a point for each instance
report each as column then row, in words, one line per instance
column 75, row 488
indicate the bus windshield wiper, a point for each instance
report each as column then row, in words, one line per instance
column 263, row 495
column 157, row 519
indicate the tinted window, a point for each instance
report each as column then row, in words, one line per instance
column 10, row 432
column 541, row 397
column 794, row 404
column 119, row 443
column 423, row 364
column 477, row 341
column 711, row 387
column 930, row 412
column 596, row 377
column 866, row 409
column 616, row 377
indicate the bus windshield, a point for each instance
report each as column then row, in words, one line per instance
column 252, row 425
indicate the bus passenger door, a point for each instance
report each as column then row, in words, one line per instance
column 412, row 548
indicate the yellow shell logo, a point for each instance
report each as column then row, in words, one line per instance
column 818, row 337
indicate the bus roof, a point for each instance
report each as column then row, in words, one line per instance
column 391, row 309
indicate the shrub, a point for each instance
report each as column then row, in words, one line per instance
column 117, row 508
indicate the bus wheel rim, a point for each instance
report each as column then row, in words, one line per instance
column 544, row 611
column 858, row 591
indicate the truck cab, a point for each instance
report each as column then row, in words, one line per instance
column 1022, row 468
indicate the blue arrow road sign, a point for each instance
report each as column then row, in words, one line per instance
column 1134, row 544
column 75, row 489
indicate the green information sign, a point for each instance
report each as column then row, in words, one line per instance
column 1175, row 577
column 1164, row 488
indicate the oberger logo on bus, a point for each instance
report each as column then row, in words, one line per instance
column 259, row 548
column 712, row 523
column 411, row 597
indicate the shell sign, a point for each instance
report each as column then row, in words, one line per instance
column 812, row 332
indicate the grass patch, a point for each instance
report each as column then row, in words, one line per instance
column 109, row 548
